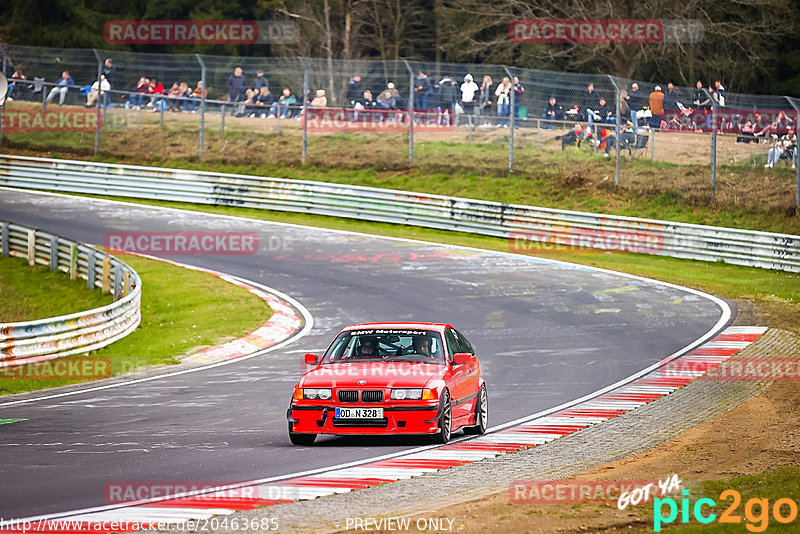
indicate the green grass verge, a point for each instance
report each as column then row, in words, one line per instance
column 182, row 311
column 21, row 300
column 775, row 295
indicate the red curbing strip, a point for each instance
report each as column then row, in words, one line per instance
column 738, row 337
column 335, row 482
column 215, row 502
column 711, row 351
column 411, row 464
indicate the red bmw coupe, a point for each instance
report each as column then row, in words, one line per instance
column 388, row 379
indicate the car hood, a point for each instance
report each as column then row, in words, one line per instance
column 375, row 374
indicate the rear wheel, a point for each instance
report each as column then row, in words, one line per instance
column 301, row 439
column 445, row 420
column 481, row 413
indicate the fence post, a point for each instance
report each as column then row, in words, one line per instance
column 411, row 113
column 202, row 107
column 618, row 97
column 73, row 261
column 54, row 253
column 117, row 280
column 538, row 132
column 4, row 66
column 4, row 238
column 31, row 247
column 512, row 116
column 796, row 160
column 90, row 274
column 106, row 272
column 99, row 99
column 713, row 145
column 653, row 144
column 222, row 122
column 305, row 110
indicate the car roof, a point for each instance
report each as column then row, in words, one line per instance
column 437, row 327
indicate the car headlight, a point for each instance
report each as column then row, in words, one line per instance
column 406, row 393
column 316, row 393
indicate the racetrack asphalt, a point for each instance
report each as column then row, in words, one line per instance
column 545, row 332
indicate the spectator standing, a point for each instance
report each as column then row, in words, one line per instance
column 656, row 102
column 503, row 94
column 422, row 91
column 61, row 88
column 519, row 90
column 635, row 104
column 468, row 90
column 354, row 90
column 260, row 81
column 447, row 95
column 486, row 97
column 552, row 112
column 110, row 72
column 719, row 93
column 236, row 86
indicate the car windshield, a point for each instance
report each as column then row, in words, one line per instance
column 423, row 346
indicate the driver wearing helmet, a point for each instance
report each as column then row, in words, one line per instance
column 368, row 347
column 422, row 345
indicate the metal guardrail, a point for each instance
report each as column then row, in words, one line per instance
column 45, row 339
column 522, row 225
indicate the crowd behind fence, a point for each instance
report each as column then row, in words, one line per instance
column 408, row 96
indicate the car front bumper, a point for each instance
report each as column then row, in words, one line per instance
column 403, row 419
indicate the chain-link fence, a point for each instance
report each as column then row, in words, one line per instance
column 389, row 103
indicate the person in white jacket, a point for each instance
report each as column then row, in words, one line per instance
column 104, row 87
column 468, row 90
column 503, row 94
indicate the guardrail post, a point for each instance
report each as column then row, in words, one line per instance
column 54, row 253
column 126, row 282
column 618, row 97
column 305, row 111
column 222, row 124
column 99, row 99
column 90, row 270
column 411, row 113
column 117, row 281
column 31, row 247
column 106, row 271
column 202, row 107
column 73, row 261
column 4, row 238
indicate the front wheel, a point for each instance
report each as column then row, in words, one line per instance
column 445, row 420
column 301, row 439
column 481, row 413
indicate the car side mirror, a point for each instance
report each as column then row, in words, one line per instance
column 310, row 359
column 461, row 358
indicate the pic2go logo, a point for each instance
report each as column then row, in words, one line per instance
column 756, row 511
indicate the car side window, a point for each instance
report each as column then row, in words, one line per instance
column 453, row 346
column 466, row 346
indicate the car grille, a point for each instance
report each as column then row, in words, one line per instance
column 372, row 395
column 348, row 396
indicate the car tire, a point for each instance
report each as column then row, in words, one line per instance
column 445, row 420
column 481, row 414
column 301, row 439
